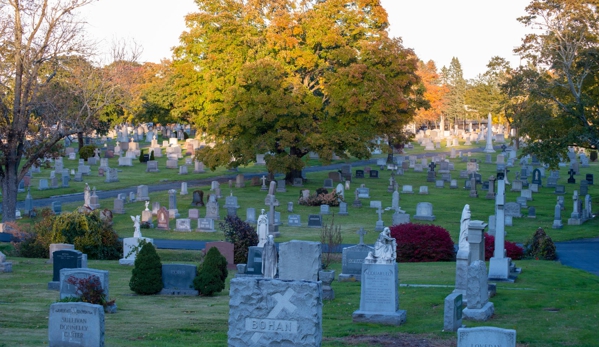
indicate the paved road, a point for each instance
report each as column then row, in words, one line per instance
column 582, row 254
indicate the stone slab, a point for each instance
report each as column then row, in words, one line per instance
column 272, row 312
column 75, row 324
column 486, row 336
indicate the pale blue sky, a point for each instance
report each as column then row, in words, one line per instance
column 472, row 30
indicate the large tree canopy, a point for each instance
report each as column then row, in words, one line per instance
column 560, row 107
column 39, row 40
column 287, row 77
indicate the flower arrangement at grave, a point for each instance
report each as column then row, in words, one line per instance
column 89, row 290
column 322, row 197
column 512, row 250
column 146, row 276
column 540, row 246
column 212, row 273
column 422, row 243
column 241, row 234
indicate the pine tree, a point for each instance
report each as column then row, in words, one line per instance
column 146, row 276
column 212, row 274
column 457, row 90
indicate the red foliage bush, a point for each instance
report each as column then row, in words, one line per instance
column 512, row 250
column 422, row 243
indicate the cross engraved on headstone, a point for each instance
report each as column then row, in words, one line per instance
column 282, row 303
column 503, row 148
column 361, row 232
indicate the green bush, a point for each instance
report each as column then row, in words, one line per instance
column 88, row 233
column 593, row 156
column 152, row 155
column 241, row 234
column 212, row 273
column 540, row 246
column 146, row 277
column 141, row 156
column 87, row 152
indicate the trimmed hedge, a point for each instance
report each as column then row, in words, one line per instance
column 422, row 243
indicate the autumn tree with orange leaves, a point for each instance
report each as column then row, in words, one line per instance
column 289, row 77
column 435, row 94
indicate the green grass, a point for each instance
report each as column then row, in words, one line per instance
column 549, row 305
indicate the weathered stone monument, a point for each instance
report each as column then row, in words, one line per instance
column 75, row 324
column 272, row 312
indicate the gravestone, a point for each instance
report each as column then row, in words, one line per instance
column 294, row 220
column 325, row 209
column 374, row 174
column 342, row 209
column 379, row 299
column 271, row 312
column 129, row 244
column 58, row 247
column 328, row 183
column 299, row 260
column 75, row 324
column 512, row 209
column 452, row 315
column 68, row 290
column 376, row 204
column 254, row 264
column 250, row 215
column 363, row 193
column 64, row 259
column 177, row 279
column 226, row 249
column 407, row 189
column 424, row 211
column 183, row 224
column 163, row 218
column 359, row 174
column 560, row 190
column 477, row 293
column 142, row 193
column 486, row 336
column 118, row 206
column 352, row 260
column 314, row 221
column 206, row 225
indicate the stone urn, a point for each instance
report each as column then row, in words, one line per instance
column 327, row 277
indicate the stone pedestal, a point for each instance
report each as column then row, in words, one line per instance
column 129, row 244
column 479, row 308
column 6, row 266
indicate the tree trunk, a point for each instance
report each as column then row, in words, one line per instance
column 10, row 186
column 80, row 139
column 390, row 153
column 289, row 176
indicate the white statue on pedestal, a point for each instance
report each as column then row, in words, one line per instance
column 136, row 225
column 463, row 241
column 147, row 204
column 262, row 229
column 385, row 248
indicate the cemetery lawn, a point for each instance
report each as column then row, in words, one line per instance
column 549, row 305
column 447, row 204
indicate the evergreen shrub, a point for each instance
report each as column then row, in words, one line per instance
column 152, row 155
column 87, row 152
column 593, row 156
column 241, row 234
column 422, row 243
column 540, row 246
column 212, row 273
column 146, row 276
column 512, row 250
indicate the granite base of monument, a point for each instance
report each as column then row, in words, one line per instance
column 379, row 299
column 502, row 270
column 479, row 314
